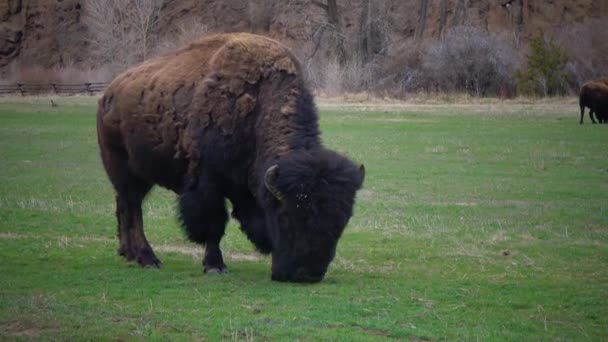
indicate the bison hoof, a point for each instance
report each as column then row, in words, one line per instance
column 216, row 270
column 152, row 266
column 147, row 259
column 127, row 253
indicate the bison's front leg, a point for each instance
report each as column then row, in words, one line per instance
column 204, row 216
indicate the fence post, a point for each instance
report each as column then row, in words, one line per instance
column 54, row 85
column 21, row 90
column 89, row 88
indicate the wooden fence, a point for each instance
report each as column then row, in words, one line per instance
column 25, row 89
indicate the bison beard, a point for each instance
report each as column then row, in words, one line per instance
column 228, row 117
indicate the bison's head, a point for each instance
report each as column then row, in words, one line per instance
column 309, row 199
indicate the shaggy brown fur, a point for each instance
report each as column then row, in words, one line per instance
column 594, row 95
column 208, row 121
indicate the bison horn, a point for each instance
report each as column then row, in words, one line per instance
column 269, row 178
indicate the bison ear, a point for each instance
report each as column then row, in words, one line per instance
column 362, row 172
column 269, row 179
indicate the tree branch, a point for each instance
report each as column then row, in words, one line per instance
column 321, row 5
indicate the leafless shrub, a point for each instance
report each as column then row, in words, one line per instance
column 358, row 74
column 401, row 71
column 181, row 35
column 333, row 77
column 33, row 74
column 587, row 49
column 83, row 75
column 122, row 32
column 261, row 14
column 339, row 57
column 471, row 59
column 376, row 24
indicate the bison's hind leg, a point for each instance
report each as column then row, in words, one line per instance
column 130, row 193
column 133, row 243
column 591, row 114
column 204, row 217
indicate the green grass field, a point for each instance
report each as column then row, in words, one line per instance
column 484, row 221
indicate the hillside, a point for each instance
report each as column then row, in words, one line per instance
column 53, row 33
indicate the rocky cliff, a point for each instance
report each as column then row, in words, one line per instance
column 53, row 32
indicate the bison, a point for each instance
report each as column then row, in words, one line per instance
column 594, row 95
column 227, row 117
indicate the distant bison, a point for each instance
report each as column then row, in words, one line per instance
column 594, row 95
column 227, row 117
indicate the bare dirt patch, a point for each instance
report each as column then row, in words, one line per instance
column 194, row 251
column 457, row 204
column 17, row 328
column 198, row 252
column 400, row 120
column 13, row 236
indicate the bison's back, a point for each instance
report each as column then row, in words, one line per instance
column 152, row 113
column 594, row 94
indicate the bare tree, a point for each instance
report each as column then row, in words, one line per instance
column 443, row 9
column 335, row 28
column 375, row 24
column 460, row 13
column 365, row 34
column 145, row 15
column 422, row 18
column 261, row 14
column 182, row 34
column 122, row 32
column 343, row 57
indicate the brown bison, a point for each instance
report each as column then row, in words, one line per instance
column 594, row 95
column 227, row 117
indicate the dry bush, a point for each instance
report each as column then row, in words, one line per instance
column 181, row 35
column 471, row 59
column 261, row 14
column 332, row 78
column 401, row 72
column 33, row 74
column 327, row 77
column 339, row 57
column 42, row 80
column 122, row 32
column 587, row 48
column 70, row 74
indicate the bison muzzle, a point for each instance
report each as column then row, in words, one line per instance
column 227, row 117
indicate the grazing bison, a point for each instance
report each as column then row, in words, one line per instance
column 594, row 95
column 227, row 117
